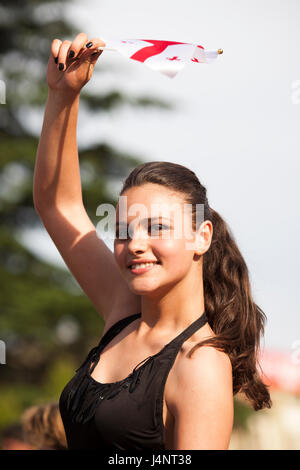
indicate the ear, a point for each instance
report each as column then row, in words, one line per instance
column 203, row 237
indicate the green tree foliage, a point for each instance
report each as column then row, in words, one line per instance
column 46, row 321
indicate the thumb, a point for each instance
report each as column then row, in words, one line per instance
column 94, row 56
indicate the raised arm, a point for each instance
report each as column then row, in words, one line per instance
column 57, row 192
column 57, row 177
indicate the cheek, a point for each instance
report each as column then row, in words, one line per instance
column 173, row 252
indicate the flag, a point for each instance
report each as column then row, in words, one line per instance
column 167, row 57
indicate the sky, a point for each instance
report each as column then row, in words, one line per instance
column 235, row 123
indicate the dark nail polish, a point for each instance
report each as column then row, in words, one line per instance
column 56, row 60
column 61, row 66
column 72, row 53
column 89, row 44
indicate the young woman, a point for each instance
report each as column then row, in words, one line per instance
column 182, row 331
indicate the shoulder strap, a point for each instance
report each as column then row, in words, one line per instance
column 116, row 328
column 189, row 331
column 107, row 337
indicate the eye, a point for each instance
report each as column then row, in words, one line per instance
column 155, row 227
column 159, row 225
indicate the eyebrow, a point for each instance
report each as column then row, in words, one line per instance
column 143, row 220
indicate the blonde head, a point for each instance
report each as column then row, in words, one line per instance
column 43, row 427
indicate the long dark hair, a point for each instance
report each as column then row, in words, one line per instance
column 232, row 314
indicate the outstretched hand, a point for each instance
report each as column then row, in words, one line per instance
column 71, row 64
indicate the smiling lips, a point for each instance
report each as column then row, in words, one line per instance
column 139, row 268
column 140, row 261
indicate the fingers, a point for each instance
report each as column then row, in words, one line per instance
column 55, row 48
column 87, row 51
column 77, row 45
column 66, row 51
column 63, row 53
column 93, row 53
column 96, row 42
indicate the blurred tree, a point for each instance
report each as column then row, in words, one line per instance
column 44, row 315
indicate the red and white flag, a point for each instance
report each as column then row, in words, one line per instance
column 167, row 57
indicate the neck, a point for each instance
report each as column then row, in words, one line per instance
column 174, row 309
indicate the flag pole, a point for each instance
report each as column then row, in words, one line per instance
column 105, row 48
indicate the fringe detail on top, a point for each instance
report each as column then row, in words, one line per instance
column 87, row 394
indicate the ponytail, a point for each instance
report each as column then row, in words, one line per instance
column 232, row 314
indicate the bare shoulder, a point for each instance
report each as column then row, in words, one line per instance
column 206, row 362
column 202, row 405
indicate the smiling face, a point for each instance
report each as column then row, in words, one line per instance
column 159, row 227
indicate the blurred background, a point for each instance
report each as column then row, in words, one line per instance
column 235, row 123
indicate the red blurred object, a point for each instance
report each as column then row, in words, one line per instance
column 15, row 444
column 281, row 370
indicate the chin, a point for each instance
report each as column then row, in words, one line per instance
column 141, row 290
column 148, row 291
column 140, row 286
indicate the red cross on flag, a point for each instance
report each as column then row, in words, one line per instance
column 167, row 57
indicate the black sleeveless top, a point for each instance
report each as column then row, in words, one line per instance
column 123, row 415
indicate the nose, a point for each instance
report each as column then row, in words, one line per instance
column 138, row 239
